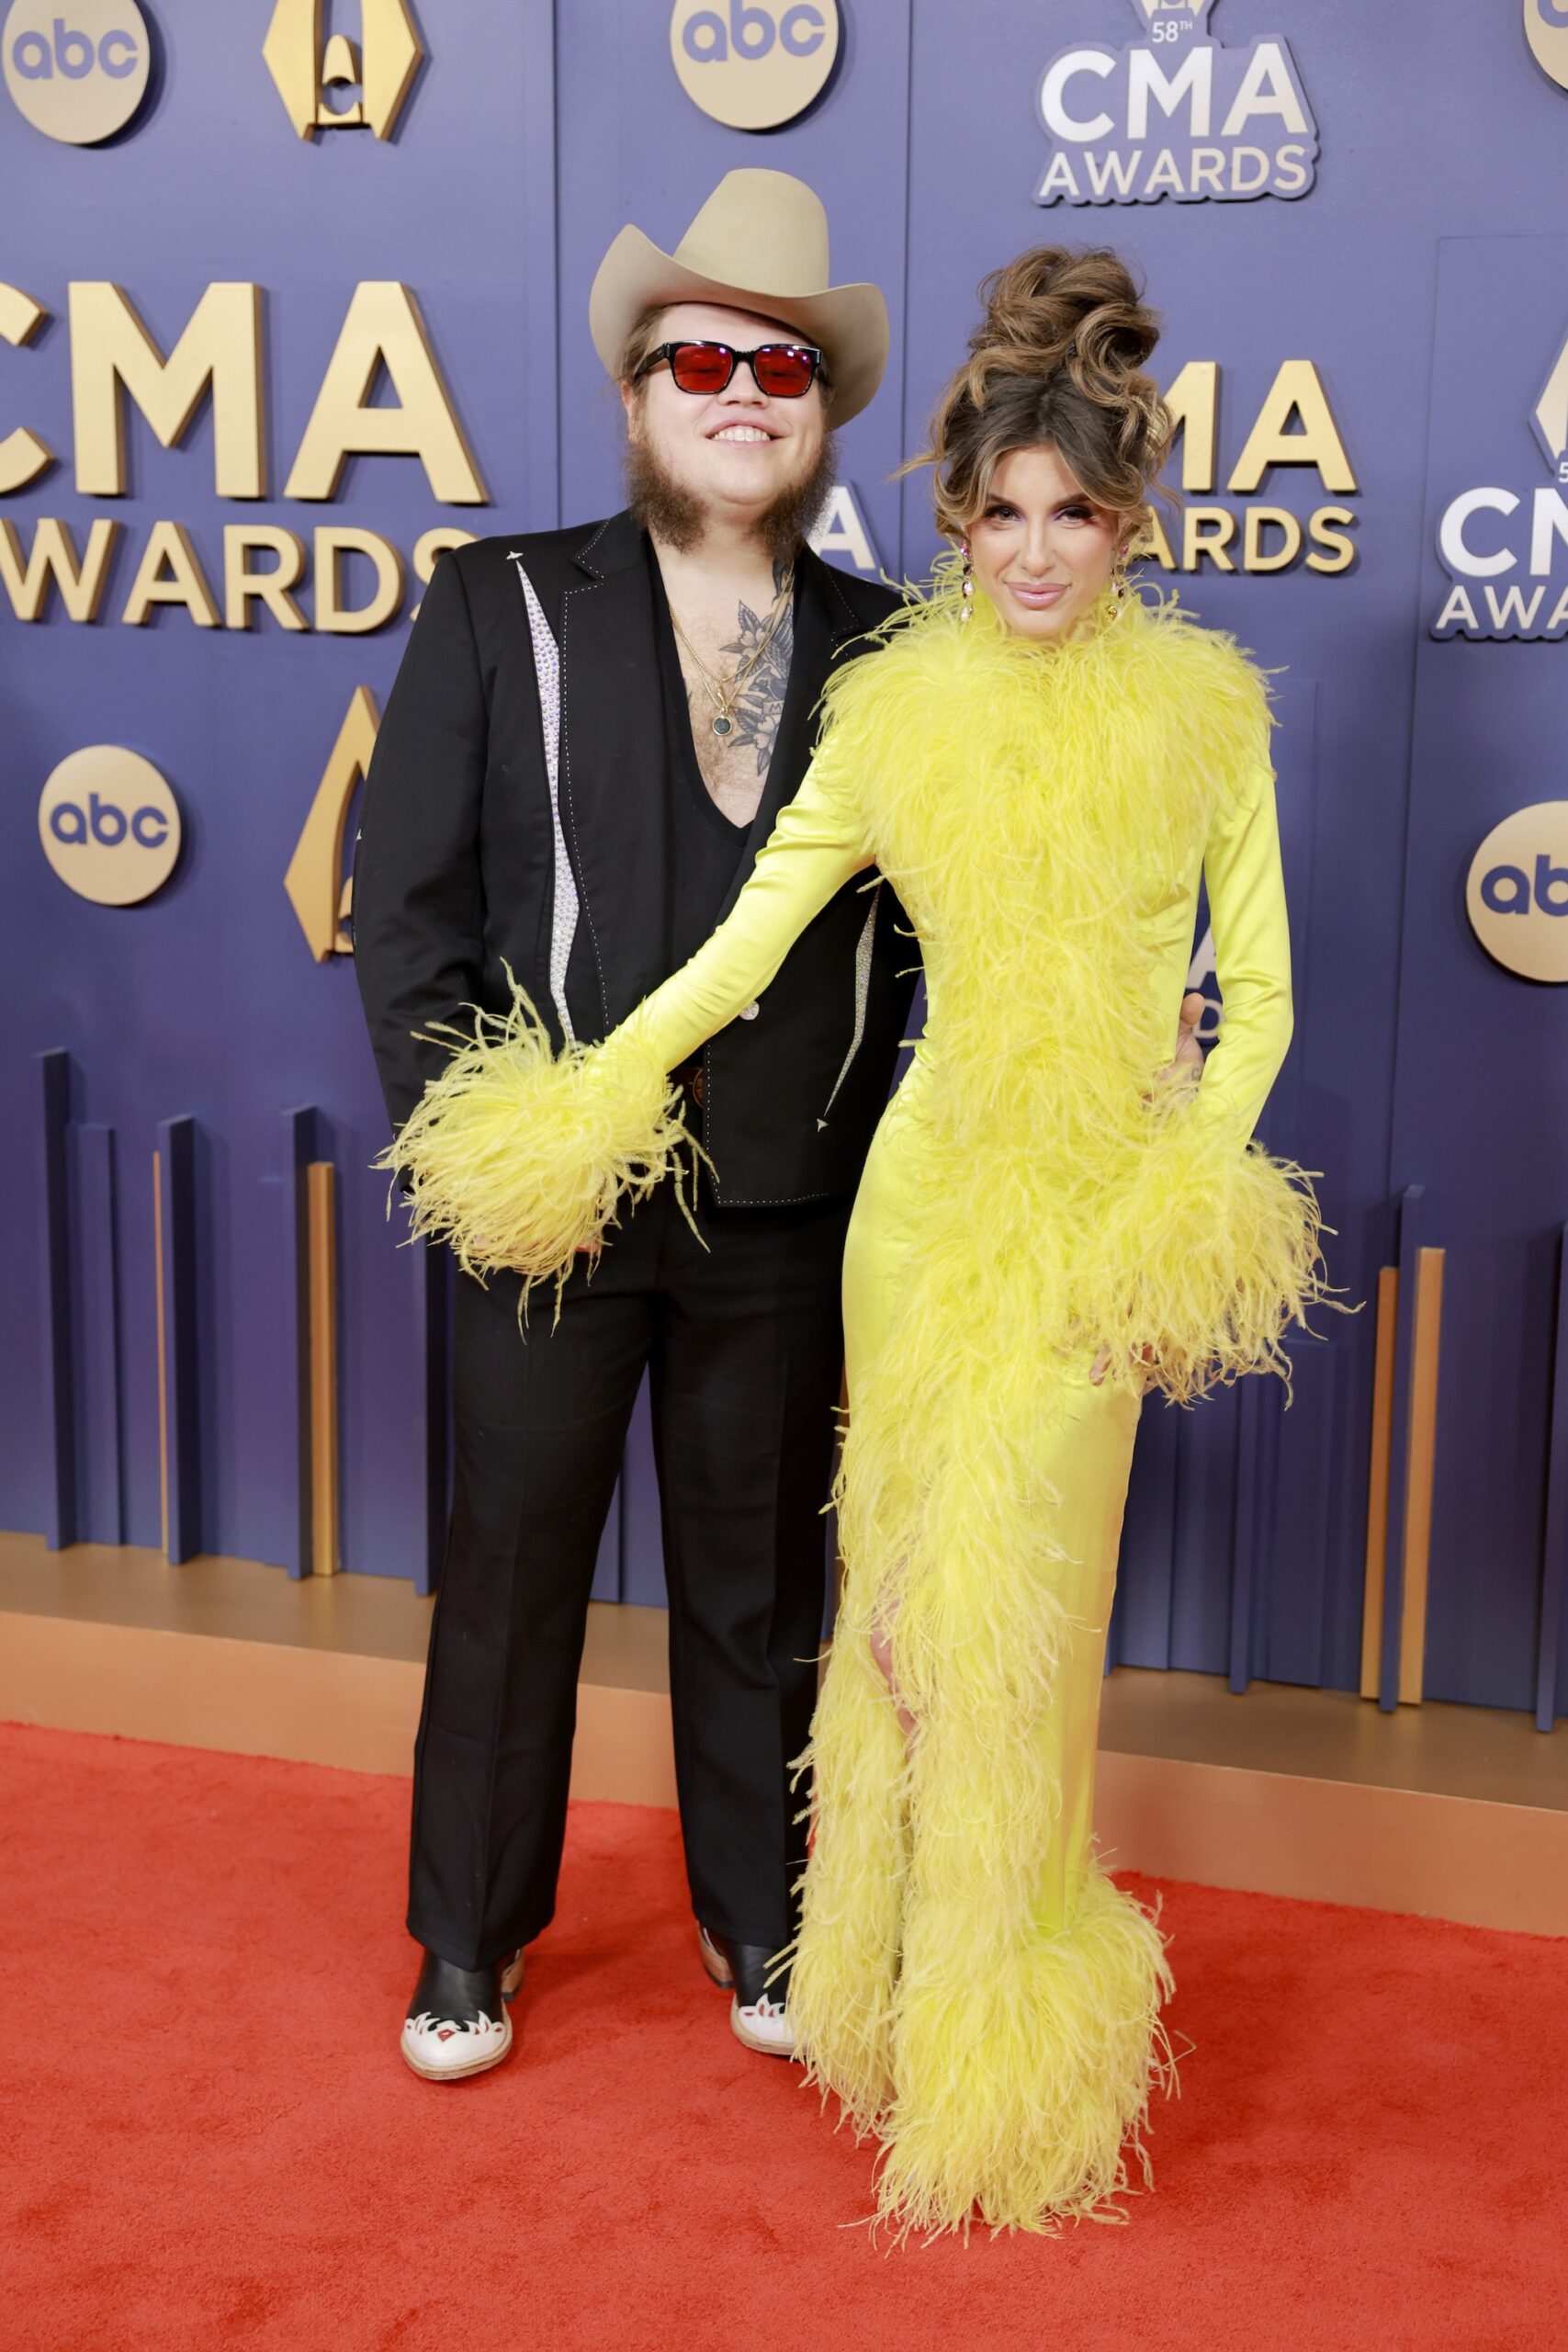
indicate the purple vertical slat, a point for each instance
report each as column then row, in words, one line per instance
column 636, row 1515
column 1203, row 1515
column 54, row 1256
column 433, row 1296
column 1410, row 1208
column 607, row 1576
column 298, row 1150
column 100, row 1474
column 177, row 1146
column 540, row 405
column 1257, row 1488
column 616, row 1541
column 1554, row 1547
column 1297, row 1565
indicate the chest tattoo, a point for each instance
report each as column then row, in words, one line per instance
column 735, row 766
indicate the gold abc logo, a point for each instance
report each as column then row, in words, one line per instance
column 753, row 64
column 77, row 69
column 1517, row 892
column 1546, row 30
column 110, row 825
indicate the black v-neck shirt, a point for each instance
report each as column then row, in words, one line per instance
column 706, row 846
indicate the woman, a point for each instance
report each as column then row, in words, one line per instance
column 1049, row 1222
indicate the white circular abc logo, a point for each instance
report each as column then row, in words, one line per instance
column 77, row 69
column 1517, row 892
column 110, row 825
column 753, row 64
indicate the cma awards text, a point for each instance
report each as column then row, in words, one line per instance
column 119, row 370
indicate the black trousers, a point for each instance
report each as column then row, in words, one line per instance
column 744, row 1346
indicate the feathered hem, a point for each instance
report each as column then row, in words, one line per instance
column 1024, row 2076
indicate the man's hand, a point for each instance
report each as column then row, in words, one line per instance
column 1188, row 1056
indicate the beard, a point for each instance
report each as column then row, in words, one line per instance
column 667, row 509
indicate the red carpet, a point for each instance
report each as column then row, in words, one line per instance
column 1367, row 2154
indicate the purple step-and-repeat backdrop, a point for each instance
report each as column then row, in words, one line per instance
column 296, row 293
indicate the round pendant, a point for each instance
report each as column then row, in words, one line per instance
column 721, row 725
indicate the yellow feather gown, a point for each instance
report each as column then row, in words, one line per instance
column 967, row 1979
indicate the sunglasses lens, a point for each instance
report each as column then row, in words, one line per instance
column 701, row 366
column 784, row 370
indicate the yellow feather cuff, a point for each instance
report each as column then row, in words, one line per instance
column 1209, row 1250
column 520, row 1157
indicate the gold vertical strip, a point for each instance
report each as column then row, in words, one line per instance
column 1422, row 1465
column 162, row 1355
column 1377, row 1485
column 322, row 1180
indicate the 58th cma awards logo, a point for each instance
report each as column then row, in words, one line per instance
column 1176, row 115
column 1487, row 599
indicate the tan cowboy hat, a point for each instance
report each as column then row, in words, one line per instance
column 758, row 243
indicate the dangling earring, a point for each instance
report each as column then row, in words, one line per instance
column 968, row 587
column 1119, row 583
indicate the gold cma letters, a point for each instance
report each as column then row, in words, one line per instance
column 220, row 351
column 219, row 348
column 1208, row 533
column 1296, row 391
column 23, row 457
column 384, row 329
column 1272, row 537
column 52, row 560
column 170, row 572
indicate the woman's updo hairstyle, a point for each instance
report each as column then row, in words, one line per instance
column 1058, row 358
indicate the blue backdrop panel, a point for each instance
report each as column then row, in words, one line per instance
column 1473, row 1118
column 1412, row 276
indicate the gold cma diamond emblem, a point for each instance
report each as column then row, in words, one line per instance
column 304, row 71
column 319, row 891
column 1549, row 415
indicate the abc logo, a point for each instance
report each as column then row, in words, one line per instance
column 1546, row 30
column 110, row 825
column 77, row 69
column 753, row 64
column 1517, row 892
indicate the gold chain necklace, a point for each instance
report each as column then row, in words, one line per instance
column 725, row 698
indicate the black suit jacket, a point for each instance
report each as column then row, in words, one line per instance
column 456, row 870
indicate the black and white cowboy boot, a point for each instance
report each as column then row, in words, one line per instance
column 457, row 2024
column 758, row 2015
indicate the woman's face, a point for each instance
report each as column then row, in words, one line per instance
column 1042, row 552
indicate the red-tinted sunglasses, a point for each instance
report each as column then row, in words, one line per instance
column 784, row 370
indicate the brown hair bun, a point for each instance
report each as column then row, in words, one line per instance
column 1058, row 357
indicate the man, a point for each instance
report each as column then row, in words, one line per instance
column 589, row 740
